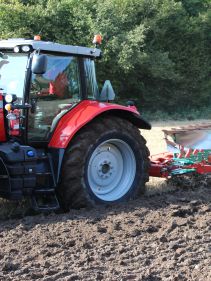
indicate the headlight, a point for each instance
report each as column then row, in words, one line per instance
column 22, row 48
column 9, row 98
column 8, row 107
column 16, row 49
column 26, row 48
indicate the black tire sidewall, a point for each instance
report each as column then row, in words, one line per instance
column 139, row 157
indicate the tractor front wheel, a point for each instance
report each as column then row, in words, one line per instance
column 106, row 162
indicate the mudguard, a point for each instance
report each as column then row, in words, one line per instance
column 86, row 111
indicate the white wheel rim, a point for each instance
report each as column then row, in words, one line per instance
column 111, row 170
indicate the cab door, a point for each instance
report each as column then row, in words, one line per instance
column 51, row 95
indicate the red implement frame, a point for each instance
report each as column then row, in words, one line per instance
column 163, row 164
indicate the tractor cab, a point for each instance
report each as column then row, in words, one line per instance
column 62, row 143
column 45, row 81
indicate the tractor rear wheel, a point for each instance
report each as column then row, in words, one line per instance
column 106, row 162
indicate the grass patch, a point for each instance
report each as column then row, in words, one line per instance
column 186, row 115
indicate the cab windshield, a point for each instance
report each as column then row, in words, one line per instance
column 12, row 73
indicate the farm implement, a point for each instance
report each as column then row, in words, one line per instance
column 64, row 143
column 188, row 156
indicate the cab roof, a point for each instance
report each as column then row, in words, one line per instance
column 50, row 47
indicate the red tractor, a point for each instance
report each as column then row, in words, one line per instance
column 62, row 142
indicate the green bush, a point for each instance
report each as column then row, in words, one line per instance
column 155, row 51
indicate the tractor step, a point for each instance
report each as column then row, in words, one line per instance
column 45, row 200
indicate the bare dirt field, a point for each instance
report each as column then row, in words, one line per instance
column 165, row 235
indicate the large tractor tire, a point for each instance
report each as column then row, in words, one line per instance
column 106, row 162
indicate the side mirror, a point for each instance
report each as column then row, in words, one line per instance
column 107, row 93
column 39, row 64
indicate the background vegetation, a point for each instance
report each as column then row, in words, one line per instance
column 155, row 51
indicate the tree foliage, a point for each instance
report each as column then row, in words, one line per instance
column 155, row 51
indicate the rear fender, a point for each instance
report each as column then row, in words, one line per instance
column 84, row 112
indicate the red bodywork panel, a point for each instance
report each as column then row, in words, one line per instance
column 79, row 116
column 2, row 127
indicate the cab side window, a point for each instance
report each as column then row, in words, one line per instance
column 91, row 82
column 60, row 81
column 53, row 94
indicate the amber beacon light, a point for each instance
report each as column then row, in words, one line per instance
column 37, row 37
column 97, row 39
column 8, row 107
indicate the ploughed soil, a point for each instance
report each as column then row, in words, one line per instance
column 158, row 237
column 164, row 235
